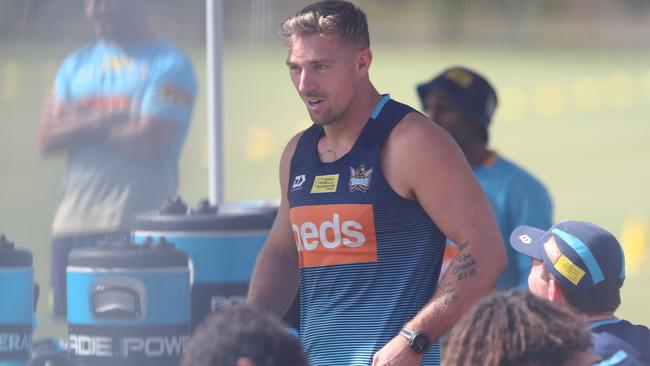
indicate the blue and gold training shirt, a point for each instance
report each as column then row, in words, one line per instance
column 516, row 198
column 103, row 188
column 369, row 258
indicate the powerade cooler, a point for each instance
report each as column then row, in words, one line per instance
column 16, row 304
column 222, row 244
column 128, row 304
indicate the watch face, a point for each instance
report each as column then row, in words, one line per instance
column 420, row 343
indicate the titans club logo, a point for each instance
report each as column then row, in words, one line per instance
column 360, row 179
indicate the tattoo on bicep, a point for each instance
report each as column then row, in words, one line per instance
column 463, row 246
column 464, row 265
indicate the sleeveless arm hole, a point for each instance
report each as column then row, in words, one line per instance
column 392, row 114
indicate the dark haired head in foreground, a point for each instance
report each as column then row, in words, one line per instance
column 517, row 328
column 241, row 336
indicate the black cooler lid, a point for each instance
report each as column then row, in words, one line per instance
column 10, row 256
column 204, row 217
column 129, row 256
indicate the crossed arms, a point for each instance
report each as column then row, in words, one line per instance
column 64, row 126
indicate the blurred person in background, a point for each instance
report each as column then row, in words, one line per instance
column 463, row 103
column 513, row 328
column 119, row 112
column 369, row 192
column 583, row 265
column 240, row 336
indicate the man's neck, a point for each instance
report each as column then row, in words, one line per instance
column 342, row 134
column 137, row 35
column 477, row 154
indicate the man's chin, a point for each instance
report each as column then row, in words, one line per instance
column 322, row 120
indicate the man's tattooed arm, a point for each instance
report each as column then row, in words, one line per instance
column 458, row 289
column 464, row 265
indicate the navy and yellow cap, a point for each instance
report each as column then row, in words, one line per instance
column 468, row 91
column 579, row 254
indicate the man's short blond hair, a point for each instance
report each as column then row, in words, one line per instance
column 329, row 17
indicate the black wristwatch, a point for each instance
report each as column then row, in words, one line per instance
column 419, row 342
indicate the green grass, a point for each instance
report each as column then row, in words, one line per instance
column 578, row 119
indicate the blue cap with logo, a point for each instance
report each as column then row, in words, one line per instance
column 579, row 254
column 468, row 91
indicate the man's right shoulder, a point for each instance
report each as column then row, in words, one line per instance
column 292, row 145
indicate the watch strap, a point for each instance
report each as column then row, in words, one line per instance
column 407, row 333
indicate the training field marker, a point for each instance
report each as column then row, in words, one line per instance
column 258, row 144
column 11, row 76
column 634, row 239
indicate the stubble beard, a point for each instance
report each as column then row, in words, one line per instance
column 331, row 116
column 328, row 119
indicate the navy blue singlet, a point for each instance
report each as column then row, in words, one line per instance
column 369, row 258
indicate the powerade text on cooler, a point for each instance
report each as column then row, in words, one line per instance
column 16, row 304
column 128, row 305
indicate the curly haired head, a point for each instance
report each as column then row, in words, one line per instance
column 516, row 328
column 238, row 332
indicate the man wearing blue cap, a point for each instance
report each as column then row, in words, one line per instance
column 463, row 102
column 583, row 265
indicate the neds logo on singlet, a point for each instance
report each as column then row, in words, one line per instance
column 328, row 235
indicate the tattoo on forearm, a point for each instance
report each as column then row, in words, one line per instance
column 449, row 294
column 461, row 268
column 464, row 265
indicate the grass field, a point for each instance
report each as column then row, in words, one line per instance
column 578, row 119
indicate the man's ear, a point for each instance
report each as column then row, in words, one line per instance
column 364, row 59
column 245, row 361
column 555, row 293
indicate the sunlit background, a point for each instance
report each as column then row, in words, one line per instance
column 573, row 78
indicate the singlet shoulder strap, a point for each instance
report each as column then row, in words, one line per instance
column 381, row 125
column 306, row 146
